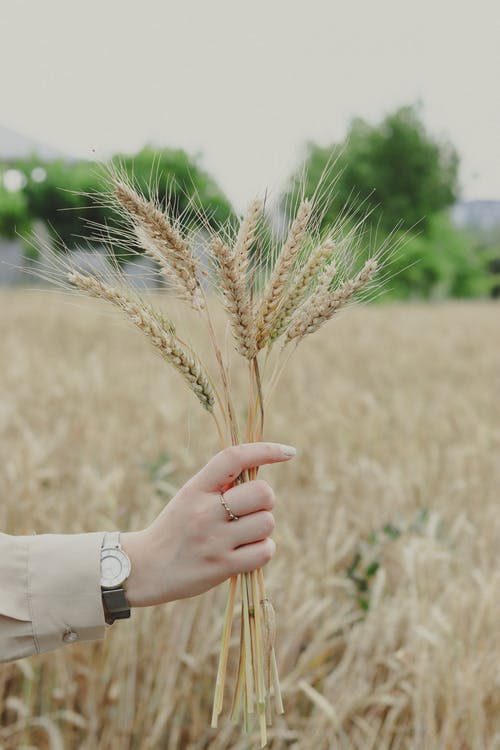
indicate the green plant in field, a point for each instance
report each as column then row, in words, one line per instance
column 360, row 575
column 368, row 559
column 161, row 473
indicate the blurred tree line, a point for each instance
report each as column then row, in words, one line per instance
column 405, row 181
column 394, row 171
column 68, row 195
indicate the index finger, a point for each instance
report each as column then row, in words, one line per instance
column 228, row 464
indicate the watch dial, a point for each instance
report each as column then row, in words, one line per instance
column 115, row 568
column 111, row 567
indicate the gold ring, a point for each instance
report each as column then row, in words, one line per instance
column 231, row 516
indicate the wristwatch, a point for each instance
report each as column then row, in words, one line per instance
column 115, row 569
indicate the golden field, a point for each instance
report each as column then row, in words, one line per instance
column 386, row 579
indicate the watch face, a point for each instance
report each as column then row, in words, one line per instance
column 115, row 567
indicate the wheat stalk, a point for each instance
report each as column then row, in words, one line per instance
column 322, row 304
column 246, row 236
column 301, row 285
column 162, row 242
column 160, row 332
column 273, row 294
column 233, row 271
column 236, row 298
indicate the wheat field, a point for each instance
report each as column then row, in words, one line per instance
column 386, row 579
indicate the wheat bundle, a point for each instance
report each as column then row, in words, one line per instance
column 312, row 277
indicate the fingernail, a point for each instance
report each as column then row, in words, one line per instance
column 288, row 450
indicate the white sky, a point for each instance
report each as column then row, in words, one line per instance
column 247, row 83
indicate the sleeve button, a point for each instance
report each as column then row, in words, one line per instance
column 70, row 636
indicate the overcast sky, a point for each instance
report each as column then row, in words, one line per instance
column 247, row 83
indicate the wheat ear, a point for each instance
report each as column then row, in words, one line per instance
column 272, row 297
column 158, row 330
column 162, row 242
column 246, row 236
column 236, row 298
column 306, row 276
column 323, row 304
column 233, row 267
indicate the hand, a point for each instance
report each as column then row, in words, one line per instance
column 191, row 545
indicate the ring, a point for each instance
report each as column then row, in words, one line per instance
column 231, row 516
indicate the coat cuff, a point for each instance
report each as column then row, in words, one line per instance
column 64, row 589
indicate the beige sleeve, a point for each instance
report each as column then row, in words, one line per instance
column 49, row 585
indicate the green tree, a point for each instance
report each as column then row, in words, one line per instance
column 14, row 215
column 445, row 262
column 394, row 169
column 69, row 196
column 404, row 180
column 62, row 197
column 181, row 183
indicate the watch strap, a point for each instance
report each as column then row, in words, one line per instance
column 116, row 605
column 111, row 539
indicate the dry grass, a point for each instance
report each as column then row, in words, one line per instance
column 397, row 412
